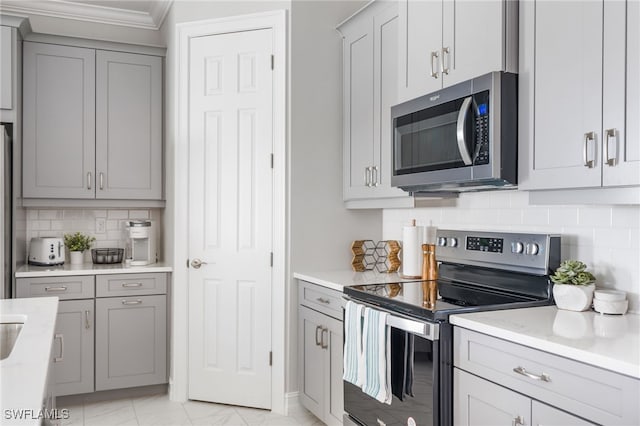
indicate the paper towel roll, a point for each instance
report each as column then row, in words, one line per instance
column 411, row 251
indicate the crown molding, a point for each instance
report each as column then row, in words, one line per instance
column 91, row 12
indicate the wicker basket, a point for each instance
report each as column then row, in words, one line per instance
column 107, row 255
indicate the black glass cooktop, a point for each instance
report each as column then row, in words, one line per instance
column 412, row 298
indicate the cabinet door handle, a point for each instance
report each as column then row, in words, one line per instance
column 323, row 300
column 132, row 302
column 375, row 176
column 88, row 180
column 325, row 344
column 518, row 421
column 368, row 177
column 87, row 324
column 608, row 134
column 101, row 181
column 585, row 149
column 63, row 288
column 131, row 285
column 445, row 54
column 61, row 338
column 318, row 339
column 544, row 377
column 434, row 56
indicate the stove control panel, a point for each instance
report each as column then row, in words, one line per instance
column 531, row 253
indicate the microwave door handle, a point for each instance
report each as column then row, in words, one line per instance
column 462, row 143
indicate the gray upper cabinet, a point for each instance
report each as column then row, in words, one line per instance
column 7, row 46
column 59, row 121
column 445, row 42
column 92, row 124
column 370, row 76
column 128, row 126
column 578, row 86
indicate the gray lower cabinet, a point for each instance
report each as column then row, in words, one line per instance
column 73, row 344
column 92, row 124
column 481, row 402
column 131, row 341
column 320, row 348
column 73, row 347
column 111, row 330
column 498, row 382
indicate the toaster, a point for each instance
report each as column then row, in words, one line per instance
column 46, row 251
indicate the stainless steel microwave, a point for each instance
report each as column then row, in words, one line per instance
column 461, row 138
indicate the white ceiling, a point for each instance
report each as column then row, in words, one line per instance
column 147, row 14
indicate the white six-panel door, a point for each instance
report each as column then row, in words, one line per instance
column 230, row 218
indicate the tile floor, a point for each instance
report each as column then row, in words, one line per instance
column 159, row 410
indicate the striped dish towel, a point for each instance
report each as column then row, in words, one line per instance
column 376, row 351
column 353, row 360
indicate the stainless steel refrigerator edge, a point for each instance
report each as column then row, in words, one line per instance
column 5, row 211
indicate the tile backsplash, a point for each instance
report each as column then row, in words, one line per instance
column 57, row 222
column 607, row 238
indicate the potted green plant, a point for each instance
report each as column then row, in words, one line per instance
column 573, row 286
column 77, row 243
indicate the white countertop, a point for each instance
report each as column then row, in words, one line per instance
column 339, row 279
column 611, row 342
column 67, row 270
column 23, row 374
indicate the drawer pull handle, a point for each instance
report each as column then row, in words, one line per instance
column 132, row 302
column 131, row 284
column 542, row 377
column 61, row 337
column 323, row 300
column 55, row 289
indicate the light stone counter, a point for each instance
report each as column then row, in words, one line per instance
column 67, row 270
column 339, row 279
column 611, row 342
column 23, row 374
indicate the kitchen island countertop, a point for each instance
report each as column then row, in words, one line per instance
column 68, row 270
column 339, row 279
column 611, row 342
column 24, row 373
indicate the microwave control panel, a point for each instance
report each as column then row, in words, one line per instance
column 482, row 135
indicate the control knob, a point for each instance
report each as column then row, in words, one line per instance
column 532, row 249
column 517, row 247
column 453, row 242
column 442, row 241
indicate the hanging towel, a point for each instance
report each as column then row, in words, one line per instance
column 399, row 355
column 408, row 379
column 353, row 370
column 376, row 350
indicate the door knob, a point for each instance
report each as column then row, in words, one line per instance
column 197, row 263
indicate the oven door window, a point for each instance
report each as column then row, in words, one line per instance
column 419, row 384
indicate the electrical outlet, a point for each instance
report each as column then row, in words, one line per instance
column 101, row 225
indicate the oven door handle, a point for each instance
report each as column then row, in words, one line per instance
column 462, row 143
column 427, row 330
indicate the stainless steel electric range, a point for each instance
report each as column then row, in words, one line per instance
column 478, row 271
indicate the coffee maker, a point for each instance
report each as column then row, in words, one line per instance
column 141, row 242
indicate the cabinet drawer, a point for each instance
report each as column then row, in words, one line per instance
column 130, row 284
column 597, row 394
column 77, row 287
column 321, row 299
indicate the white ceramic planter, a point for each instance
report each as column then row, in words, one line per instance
column 573, row 297
column 77, row 257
